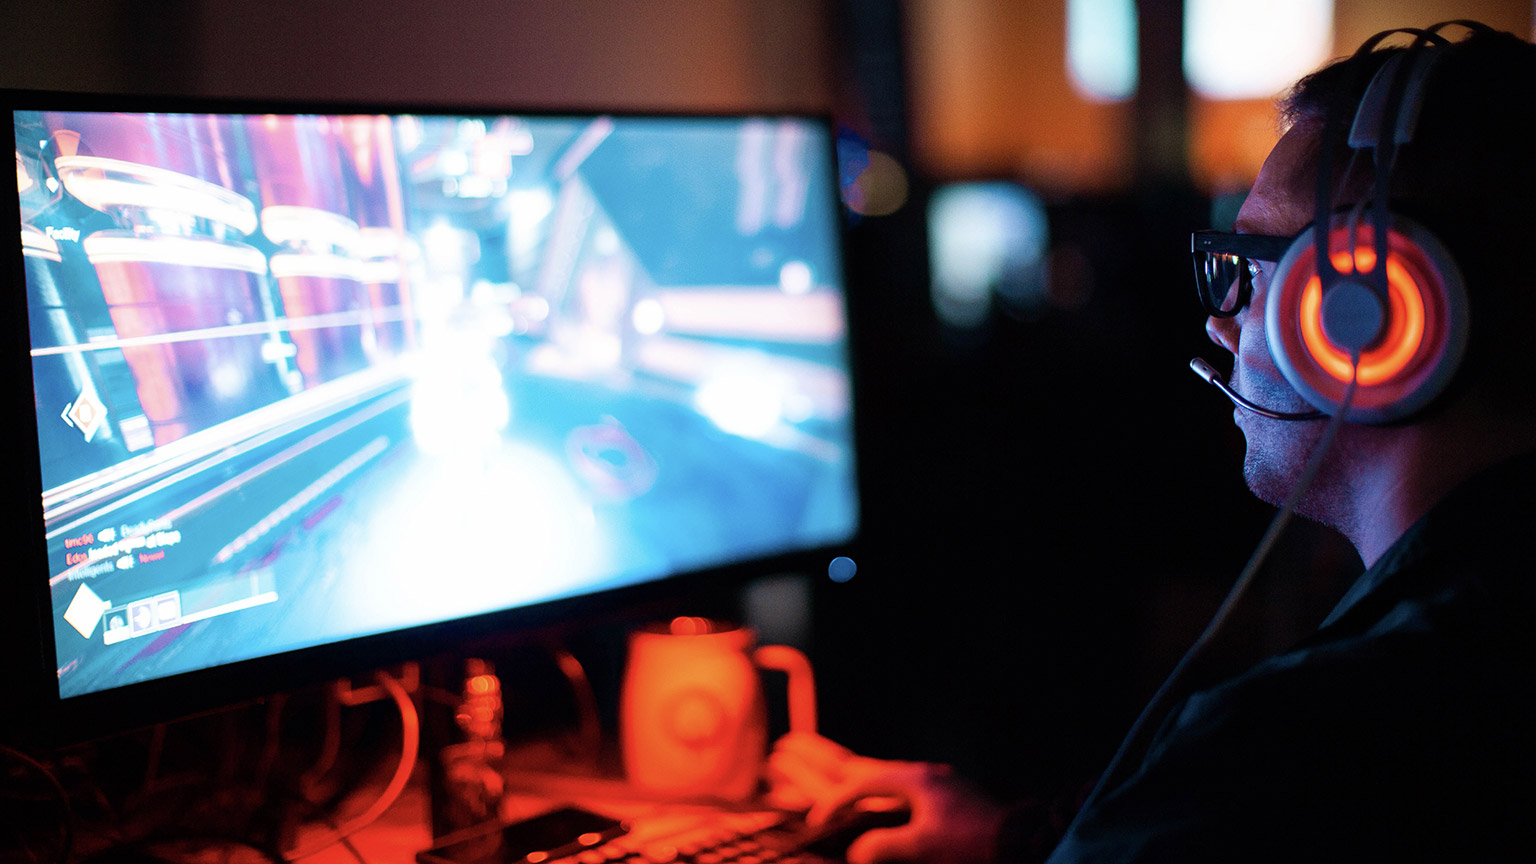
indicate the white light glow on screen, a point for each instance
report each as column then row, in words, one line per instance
column 448, row 249
column 538, row 538
column 228, row 380
column 458, row 401
column 530, row 206
column 1101, row 48
column 1253, row 49
column 648, row 316
column 744, row 398
column 795, row 277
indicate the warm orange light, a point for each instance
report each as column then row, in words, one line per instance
column 688, row 625
column 693, row 720
column 536, row 857
column 67, row 142
column 591, row 838
column 23, row 179
column 1405, row 322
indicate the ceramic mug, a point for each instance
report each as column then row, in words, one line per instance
column 692, row 719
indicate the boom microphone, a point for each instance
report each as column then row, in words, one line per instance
column 1209, row 373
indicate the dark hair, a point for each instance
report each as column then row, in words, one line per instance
column 1469, row 176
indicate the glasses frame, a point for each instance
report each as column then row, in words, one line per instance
column 1246, row 247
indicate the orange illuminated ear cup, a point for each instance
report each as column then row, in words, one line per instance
column 1418, row 347
column 1398, row 341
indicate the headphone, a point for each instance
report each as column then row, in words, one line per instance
column 1372, row 296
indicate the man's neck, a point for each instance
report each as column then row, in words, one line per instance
column 1412, row 468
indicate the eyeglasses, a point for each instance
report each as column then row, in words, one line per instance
column 1222, row 259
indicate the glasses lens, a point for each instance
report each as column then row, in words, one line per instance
column 1222, row 278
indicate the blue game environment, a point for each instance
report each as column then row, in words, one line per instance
column 305, row 378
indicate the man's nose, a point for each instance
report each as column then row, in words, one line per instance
column 1225, row 331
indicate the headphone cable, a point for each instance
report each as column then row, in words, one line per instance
column 1164, row 696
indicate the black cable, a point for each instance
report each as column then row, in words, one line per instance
column 1135, row 740
column 347, row 844
column 272, row 746
column 330, row 746
column 67, row 842
column 346, row 841
column 589, row 724
column 410, row 730
column 152, row 847
column 152, row 760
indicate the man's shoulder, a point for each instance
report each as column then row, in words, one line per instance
column 1423, row 651
column 1399, row 731
column 1402, row 738
column 1432, row 696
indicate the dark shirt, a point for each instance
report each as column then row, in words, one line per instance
column 1402, row 729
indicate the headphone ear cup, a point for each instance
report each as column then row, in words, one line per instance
column 1418, row 345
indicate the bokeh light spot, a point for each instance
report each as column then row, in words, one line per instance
column 1225, row 58
column 842, row 569
column 1101, row 48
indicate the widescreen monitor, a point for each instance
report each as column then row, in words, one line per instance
column 301, row 378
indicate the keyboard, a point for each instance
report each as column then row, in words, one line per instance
column 717, row 837
column 712, row 837
column 664, row 835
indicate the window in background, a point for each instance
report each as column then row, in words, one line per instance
column 987, row 245
column 1101, row 48
column 990, row 96
column 1253, row 49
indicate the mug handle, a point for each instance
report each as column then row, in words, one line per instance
column 802, row 683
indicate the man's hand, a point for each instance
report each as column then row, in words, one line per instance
column 952, row 822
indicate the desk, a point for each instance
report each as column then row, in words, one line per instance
column 656, row 824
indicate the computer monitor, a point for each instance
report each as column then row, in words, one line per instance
column 311, row 383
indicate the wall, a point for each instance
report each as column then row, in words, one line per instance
column 990, row 95
column 623, row 54
column 1229, row 140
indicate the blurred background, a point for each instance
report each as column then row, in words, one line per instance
column 1054, row 503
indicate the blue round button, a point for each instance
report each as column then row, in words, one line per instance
column 842, row 569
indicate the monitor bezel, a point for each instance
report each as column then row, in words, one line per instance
column 43, row 718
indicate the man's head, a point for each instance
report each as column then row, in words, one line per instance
column 1470, row 178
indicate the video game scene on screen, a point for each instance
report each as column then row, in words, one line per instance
column 302, row 378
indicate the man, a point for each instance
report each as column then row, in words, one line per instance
column 1404, row 728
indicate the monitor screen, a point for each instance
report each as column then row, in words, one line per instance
column 301, row 378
